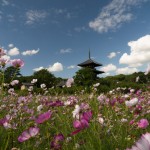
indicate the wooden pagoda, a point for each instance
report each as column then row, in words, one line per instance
column 91, row 64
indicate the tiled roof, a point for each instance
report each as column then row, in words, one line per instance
column 90, row 62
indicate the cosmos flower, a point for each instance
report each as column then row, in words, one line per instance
column 69, row 82
column 76, row 112
column 143, row 123
column 82, row 123
column 27, row 134
column 14, row 82
column 43, row 86
column 132, row 102
column 57, row 140
column 34, row 81
column 143, row 143
column 96, row 85
column 17, row 63
column 43, row 117
column 3, row 62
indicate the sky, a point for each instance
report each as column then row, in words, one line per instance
column 58, row 34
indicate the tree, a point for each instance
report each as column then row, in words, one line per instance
column 44, row 76
column 10, row 73
column 85, row 77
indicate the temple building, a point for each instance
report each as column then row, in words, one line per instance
column 91, row 64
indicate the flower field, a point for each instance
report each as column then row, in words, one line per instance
column 111, row 121
column 117, row 120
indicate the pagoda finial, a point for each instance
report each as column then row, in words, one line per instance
column 89, row 54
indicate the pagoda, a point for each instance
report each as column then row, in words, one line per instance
column 91, row 64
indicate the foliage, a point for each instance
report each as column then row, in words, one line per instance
column 44, row 76
column 11, row 72
column 85, row 77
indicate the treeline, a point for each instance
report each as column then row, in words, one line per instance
column 84, row 80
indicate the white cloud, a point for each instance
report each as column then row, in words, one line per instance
column 14, row 51
column 71, row 67
column 68, row 50
column 55, row 67
column 11, row 45
column 30, row 52
column 5, row 2
column 139, row 53
column 38, row 69
column 126, row 70
column 113, row 15
column 111, row 55
column 108, row 68
column 33, row 16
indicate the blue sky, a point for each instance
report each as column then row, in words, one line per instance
column 57, row 34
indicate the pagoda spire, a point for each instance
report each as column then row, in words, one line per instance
column 89, row 54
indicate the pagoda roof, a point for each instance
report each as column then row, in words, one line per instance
column 89, row 62
column 98, row 72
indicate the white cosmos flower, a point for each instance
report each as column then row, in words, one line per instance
column 132, row 102
column 76, row 112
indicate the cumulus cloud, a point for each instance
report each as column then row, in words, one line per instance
column 111, row 55
column 14, row 51
column 126, row 70
column 11, row 45
column 139, row 53
column 71, row 67
column 55, row 67
column 108, row 68
column 114, row 15
column 33, row 16
column 38, row 69
column 68, row 50
column 30, row 52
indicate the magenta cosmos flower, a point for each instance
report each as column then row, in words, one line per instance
column 27, row 134
column 43, row 117
column 17, row 63
column 143, row 143
column 82, row 123
column 143, row 123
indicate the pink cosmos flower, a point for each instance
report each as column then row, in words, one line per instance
column 17, row 63
column 143, row 123
column 3, row 62
column 27, row 134
column 43, row 117
column 143, row 143
column 56, row 143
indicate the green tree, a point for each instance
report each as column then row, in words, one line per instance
column 85, row 77
column 44, row 76
column 11, row 73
